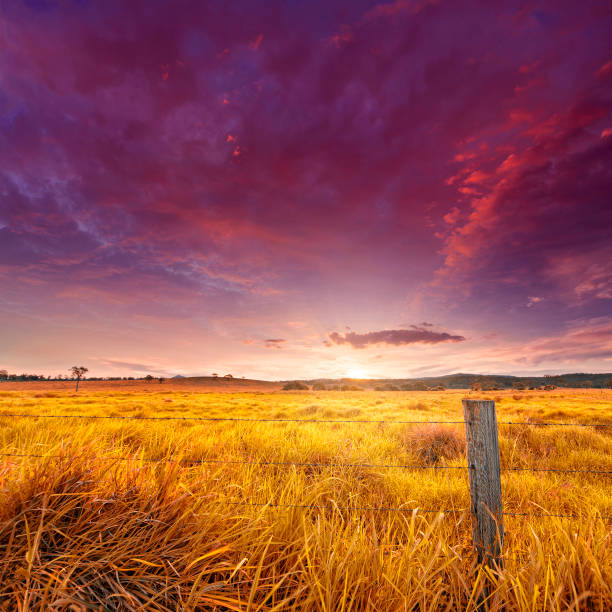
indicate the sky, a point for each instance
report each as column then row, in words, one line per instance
column 305, row 189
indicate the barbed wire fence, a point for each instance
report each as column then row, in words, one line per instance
column 407, row 466
column 283, row 420
column 484, row 513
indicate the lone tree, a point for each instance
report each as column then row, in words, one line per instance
column 78, row 372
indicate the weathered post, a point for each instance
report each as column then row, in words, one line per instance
column 485, row 479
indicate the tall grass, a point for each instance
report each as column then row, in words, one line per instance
column 90, row 525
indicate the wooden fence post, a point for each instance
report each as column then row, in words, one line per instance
column 485, row 479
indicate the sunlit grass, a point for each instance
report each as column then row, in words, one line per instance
column 94, row 522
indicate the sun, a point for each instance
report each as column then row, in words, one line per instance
column 356, row 372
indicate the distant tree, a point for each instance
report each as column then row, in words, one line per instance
column 229, row 376
column 295, row 385
column 319, row 386
column 3, row 375
column 78, row 372
column 215, row 375
column 161, row 379
column 148, row 377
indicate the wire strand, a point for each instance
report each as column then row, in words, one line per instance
column 417, row 510
column 190, row 462
column 407, row 466
column 335, row 507
column 239, row 419
column 561, row 470
column 279, row 420
column 546, row 515
column 553, row 424
column 315, row 506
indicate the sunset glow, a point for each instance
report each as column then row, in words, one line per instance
column 297, row 190
column 356, row 372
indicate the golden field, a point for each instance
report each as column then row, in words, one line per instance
column 111, row 515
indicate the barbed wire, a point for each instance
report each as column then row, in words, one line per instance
column 335, row 506
column 407, row 466
column 400, row 509
column 353, row 508
column 239, row 419
column 563, row 470
column 546, row 515
column 191, row 462
column 553, row 424
column 283, row 420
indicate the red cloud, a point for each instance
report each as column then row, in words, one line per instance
column 396, row 7
column 605, row 71
column 558, row 186
column 389, row 9
column 478, row 176
column 510, row 163
column 452, row 216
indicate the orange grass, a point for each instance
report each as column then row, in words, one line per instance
column 91, row 526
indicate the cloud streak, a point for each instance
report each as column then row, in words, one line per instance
column 393, row 337
column 130, row 366
column 274, row 343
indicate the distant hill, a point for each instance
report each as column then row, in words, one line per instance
column 221, row 383
column 467, row 381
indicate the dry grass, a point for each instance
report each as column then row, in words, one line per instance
column 80, row 530
column 434, row 444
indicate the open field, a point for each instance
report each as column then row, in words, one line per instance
column 202, row 384
column 111, row 514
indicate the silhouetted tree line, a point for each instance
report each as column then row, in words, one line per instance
column 5, row 376
column 483, row 382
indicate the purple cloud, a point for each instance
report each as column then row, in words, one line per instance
column 394, row 337
column 274, row 343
